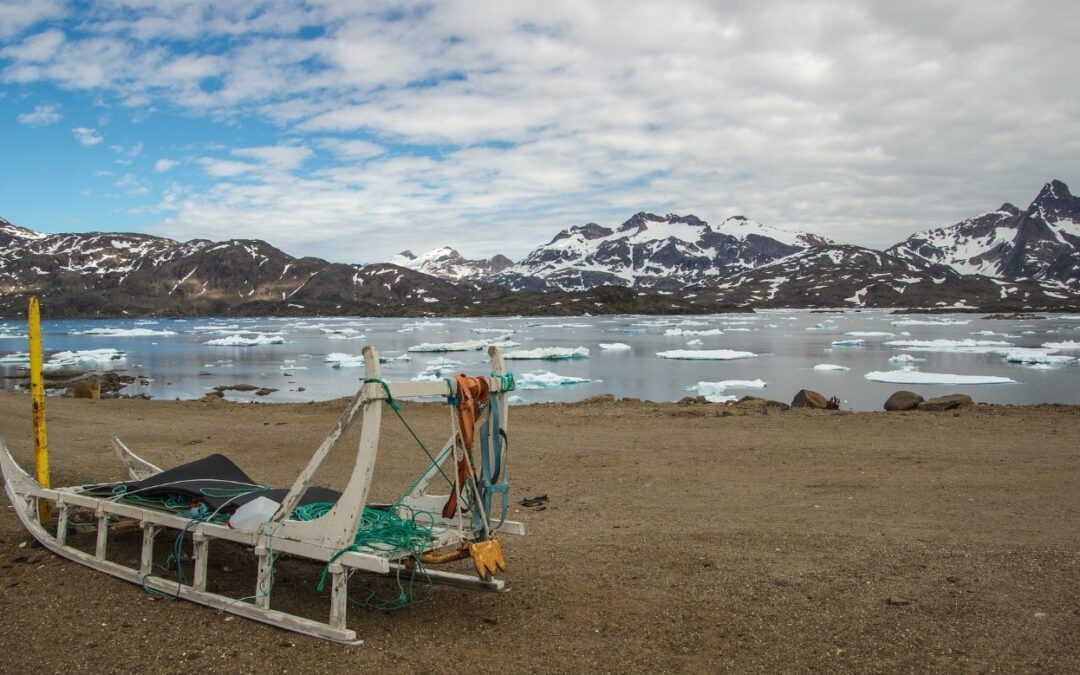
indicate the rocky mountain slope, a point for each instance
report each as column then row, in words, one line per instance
column 852, row 276
column 1042, row 242
column 651, row 251
column 446, row 263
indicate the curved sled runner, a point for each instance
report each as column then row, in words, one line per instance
column 463, row 524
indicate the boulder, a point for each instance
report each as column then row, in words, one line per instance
column 807, row 398
column 903, row 400
column 767, row 402
column 949, row 402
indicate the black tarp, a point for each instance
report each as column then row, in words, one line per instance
column 214, row 480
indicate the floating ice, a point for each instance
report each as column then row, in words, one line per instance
column 549, row 353
column 514, row 400
column 216, row 327
column 714, row 391
column 437, row 369
column 705, row 354
column 340, row 331
column 931, row 322
column 694, row 343
column 670, row 332
column 917, row 377
column 614, row 346
column 237, row 340
column 123, row 332
column 869, row 333
column 463, row 346
column 853, row 342
column 340, row 360
column 1040, row 356
column 342, row 336
column 545, row 379
column 1068, row 344
column 965, row 346
column 830, row 366
column 17, row 357
column 500, row 331
column 12, row 336
column 84, row 357
column 903, row 358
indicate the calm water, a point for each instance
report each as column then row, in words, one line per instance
column 787, row 345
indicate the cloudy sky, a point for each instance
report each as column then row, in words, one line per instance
column 352, row 130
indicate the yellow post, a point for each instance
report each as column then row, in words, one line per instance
column 37, row 397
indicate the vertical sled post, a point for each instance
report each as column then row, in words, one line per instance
column 37, row 401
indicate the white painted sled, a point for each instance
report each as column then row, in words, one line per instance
column 318, row 540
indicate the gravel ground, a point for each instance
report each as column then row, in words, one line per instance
column 688, row 538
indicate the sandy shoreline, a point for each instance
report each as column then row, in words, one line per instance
column 676, row 538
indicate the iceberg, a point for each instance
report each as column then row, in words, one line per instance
column 340, row 360
column 696, row 342
column 903, row 358
column 869, row 333
column 714, row 391
column 917, row 377
column 966, row 346
column 1037, row 356
column 17, row 357
column 830, row 366
column 853, row 342
column 237, row 340
column 549, row 353
column 545, row 379
column 614, row 346
column 674, row 332
column 931, row 322
column 463, row 346
column 1068, row 344
column 705, row 354
column 84, row 357
column 124, row 332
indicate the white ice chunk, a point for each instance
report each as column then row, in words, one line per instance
column 853, row 342
column 706, row 354
column 917, row 377
column 966, row 346
column 682, row 331
column 463, row 346
column 714, row 391
column 869, row 333
column 614, row 346
column 237, row 340
column 123, row 332
column 83, row 357
column 545, row 379
column 1068, row 344
column 931, row 322
column 830, row 366
column 1041, row 356
column 549, row 353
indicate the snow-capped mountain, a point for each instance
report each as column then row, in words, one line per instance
column 852, row 276
column 1042, row 242
column 446, row 263
column 651, row 251
column 106, row 274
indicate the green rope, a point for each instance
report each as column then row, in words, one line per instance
column 506, row 381
column 396, row 407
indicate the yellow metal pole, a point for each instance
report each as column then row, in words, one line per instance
column 37, row 396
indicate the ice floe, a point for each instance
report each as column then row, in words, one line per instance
column 966, row 346
column 17, row 357
column 919, row 377
column 705, row 354
column 696, row 342
column 545, row 379
column 549, row 353
column 931, row 322
column 341, row 360
column 852, row 342
column 463, row 346
column 1032, row 356
column 124, row 332
column 869, row 333
column 830, row 366
column 1068, row 344
column 84, row 357
column 903, row 358
column 671, row 332
column 237, row 340
column 614, row 346
column 437, row 369
column 714, row 392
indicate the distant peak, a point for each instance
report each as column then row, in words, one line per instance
column 1055, row 189
column 1009, row 208
column 407, row 254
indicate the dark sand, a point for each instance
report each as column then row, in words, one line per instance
column 677, row 538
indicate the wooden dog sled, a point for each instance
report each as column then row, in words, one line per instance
column 462, row 524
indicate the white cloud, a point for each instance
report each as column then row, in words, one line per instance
column 87, row 136
column 862, row 122
column 41, row 116
column 17, row 15
column 163, row 165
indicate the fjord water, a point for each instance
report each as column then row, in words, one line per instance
column 787, row 345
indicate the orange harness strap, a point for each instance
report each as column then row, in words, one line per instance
column 472, row 394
